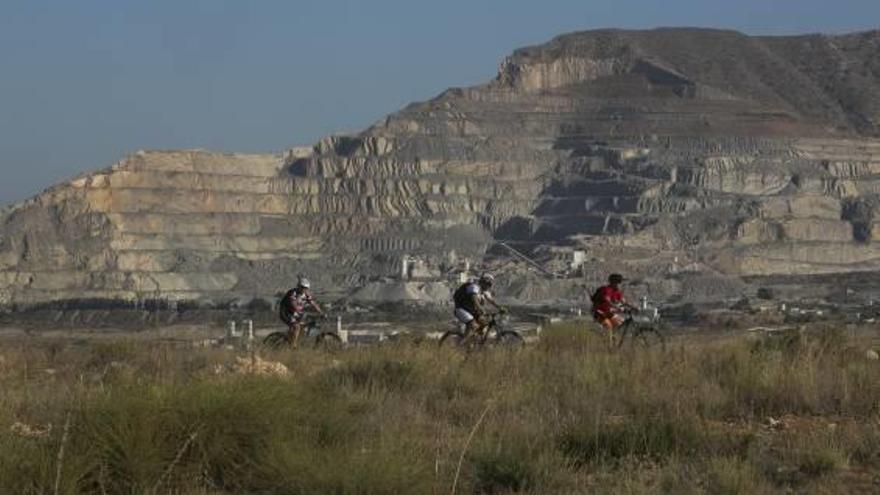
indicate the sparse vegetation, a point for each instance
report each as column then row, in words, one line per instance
column 797, row 412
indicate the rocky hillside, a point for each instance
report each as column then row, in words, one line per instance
column 656, row 152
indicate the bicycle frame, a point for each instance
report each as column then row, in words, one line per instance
column 638, row 324
column 493, row 332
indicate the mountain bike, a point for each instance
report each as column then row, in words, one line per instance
column 642, row 325
column 311, row 329
column 493, row 334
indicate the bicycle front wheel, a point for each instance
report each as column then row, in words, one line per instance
column 276, row 341
column 328, row 341
column 652, row 337
column 510, row 339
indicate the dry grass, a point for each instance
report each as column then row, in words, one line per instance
column 792, row 413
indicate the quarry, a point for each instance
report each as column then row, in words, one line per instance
column 706, row 165
column 733, row 180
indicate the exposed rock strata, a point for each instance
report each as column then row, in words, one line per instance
column 656, row 150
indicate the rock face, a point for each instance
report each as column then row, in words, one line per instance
column 656, row 151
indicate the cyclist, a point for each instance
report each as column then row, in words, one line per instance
column 609, row 302
column 293, row 307
column 470, row 303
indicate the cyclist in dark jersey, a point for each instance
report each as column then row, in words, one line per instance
column 293, row 307
column 470, row 303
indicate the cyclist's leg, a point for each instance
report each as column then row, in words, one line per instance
column 471, row 332
column 483, row 329
column 467, row 319
column 290, row 324
column 605, row 323
column 296, row 330
column 618, row 321
column 610, row 323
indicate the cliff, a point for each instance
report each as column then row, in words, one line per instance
column 653, row 151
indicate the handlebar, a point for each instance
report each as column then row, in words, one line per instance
column 622, row 308
column 314, row 319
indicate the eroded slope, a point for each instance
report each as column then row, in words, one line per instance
column 654, row 151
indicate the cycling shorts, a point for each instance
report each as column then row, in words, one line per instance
column 463, row 315
column 292, row 318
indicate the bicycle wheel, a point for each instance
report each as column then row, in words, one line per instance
column 510, row 339
column 276, row 341
column 328, row 341
column 452, row 338
column 651, row 336
column 625, row 333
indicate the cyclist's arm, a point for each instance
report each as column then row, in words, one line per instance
column 493, row 302
column 619, row 306
column 478, row 307
column 606, row 308
column 626, row 304
column 315, row 305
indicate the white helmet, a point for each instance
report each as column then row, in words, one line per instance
column 303, row 283
column 487, row 279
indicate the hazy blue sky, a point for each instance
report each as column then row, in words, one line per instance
column 84, row 82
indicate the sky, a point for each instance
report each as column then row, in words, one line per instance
column 83, row 83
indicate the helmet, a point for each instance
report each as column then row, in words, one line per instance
column 615, row 278
column 487, row 279
column 303, row 283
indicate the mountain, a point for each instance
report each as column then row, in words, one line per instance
column 656, row 152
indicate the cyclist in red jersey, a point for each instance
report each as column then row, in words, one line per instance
column 608, row 303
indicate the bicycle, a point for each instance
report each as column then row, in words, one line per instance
column 641, row 324
column 493, row 334
column 324, row 339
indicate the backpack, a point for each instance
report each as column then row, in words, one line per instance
column 460, row 297
column 596, row 298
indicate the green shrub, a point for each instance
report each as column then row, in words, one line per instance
column 642, row 437
column 732, row 476
column 504, row 471
column 374, row 374
column 102, row 354
column 565, row 416
column 820, row 463
column 569, row 338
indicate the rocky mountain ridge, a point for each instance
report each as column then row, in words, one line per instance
column 657, row 152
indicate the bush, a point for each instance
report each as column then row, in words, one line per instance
column 656, row 439
column 732, row 476
column 374, row 374
column 565, row 416
column 503, row 472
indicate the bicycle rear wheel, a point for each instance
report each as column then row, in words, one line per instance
column 452, row 338
column 328, row 341
column 276, row 341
